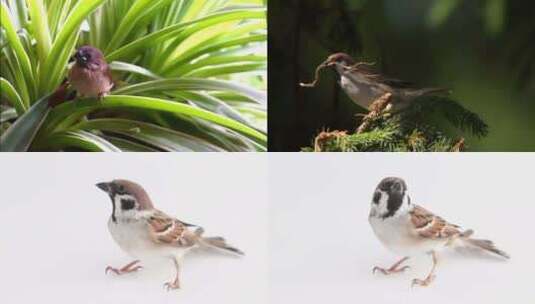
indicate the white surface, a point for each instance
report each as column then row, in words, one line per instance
column 323, row 249
column 311, row 243
column 54, row 243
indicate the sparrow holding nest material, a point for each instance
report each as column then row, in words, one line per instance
column 364, row 87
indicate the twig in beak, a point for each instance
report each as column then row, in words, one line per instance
column 312, row 84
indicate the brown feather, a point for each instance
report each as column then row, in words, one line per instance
column 168, row 230
column 431, row 226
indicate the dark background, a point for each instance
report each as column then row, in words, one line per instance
column 483, row 49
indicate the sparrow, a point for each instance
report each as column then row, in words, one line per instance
column 90, row 75
column 363, row 86
column 410, row 230
column 145, row 232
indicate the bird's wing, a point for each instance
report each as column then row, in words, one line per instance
column 169, row 230
column 431, row 226
column 369, row 72
column 397, row 83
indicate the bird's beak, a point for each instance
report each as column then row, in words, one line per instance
column 106, row 187
column 327, row 63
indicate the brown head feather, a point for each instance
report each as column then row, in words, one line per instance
column 137, row 191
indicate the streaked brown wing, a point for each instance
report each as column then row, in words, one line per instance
column 431, row 226
column 168, row 230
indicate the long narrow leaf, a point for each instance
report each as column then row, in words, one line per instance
column 118, row 101
column 8, row 92
column 21, row 134
column 190, row 84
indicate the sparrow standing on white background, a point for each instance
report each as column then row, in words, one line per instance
column 145, row 232
column 408, row 229
column 364, row 86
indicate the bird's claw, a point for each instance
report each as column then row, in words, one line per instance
column 114, row 270
column 424, row 282
column 122, row 271
column 171, row 286
column 389, row 271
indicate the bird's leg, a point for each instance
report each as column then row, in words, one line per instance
column 431, row 276
column 125, row 269
column 175, row 284
column 394, row 268
column 376, row 109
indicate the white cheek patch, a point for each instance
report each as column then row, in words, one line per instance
column 118, row 210
column 405, row 205
column 380, row 208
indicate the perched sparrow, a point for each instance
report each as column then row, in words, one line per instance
column 408, row 229
column 146, row 233
column 90, row 75
column 364, row 87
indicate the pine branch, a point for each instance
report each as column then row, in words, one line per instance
column 451, row 110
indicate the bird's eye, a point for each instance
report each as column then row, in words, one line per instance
column 84, row 58
column 121, row 189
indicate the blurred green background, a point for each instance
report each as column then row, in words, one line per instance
column 484, row 50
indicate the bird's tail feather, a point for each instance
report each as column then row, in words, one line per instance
column 486, row 245
column 220, row 243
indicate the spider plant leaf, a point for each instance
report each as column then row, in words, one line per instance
column 136, row 11
column 185, row 29
column 150, row 135
column 8, row 92
column 8, row 114
column 132, row 68
column 21, row 133
column 63, row 111
column 40, row 29
column 78, row 139
column 22, row 59
column 193, row 84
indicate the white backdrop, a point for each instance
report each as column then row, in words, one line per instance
column 323, row 249
column 54, row 243
column 300, row 218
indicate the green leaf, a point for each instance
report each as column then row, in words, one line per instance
column 151, row 135
column 192, row 84
column 78, row 139
column 132, row 68
column 148, row 103
column 21, row 134
column 40, row 29
column 136, row 11
column 8, row 92
column 494, row 14
column 185, row 29
column 23, row 61
column 440, row 11
column 8, row 115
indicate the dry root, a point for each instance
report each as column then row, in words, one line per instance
column 316, row 76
